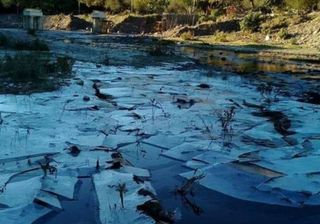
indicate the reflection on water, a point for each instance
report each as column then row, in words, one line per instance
column 33, row 72
column 247, row 62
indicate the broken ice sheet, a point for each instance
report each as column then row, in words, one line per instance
column 193, row 164
column 85, row 159
column 110, row 207
column 273, row 154
column 17, row 194
column 4, row 178
column 184, row 151
column 304, row 183
column 49, row 199
column 88, row 140
column 263, row 131
column 214, row 157
column 313, row 200
column 164, row 141
column 21, row 163
column 14, row 104
column 119, row 140
column 144, row 154
column 310, row 164
column 227, row 179
column 23, row 214
column 135, row 171
column 62, row 185
column 118, row 92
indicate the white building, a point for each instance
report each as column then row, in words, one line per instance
column 32, row 19
column 98, row 18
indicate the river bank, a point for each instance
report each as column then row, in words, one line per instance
column 298, row 42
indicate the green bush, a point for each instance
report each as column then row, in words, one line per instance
column 220, row 37
column 283, row 34
column 205, row 18
column 149, row 6
column 181, row 6
column 187, row 36
column 117, row 5
column 302, row 5
column 251, row 22
column 249, row 4
column 216, row 13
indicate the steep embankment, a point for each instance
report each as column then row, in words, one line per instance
column 67, row 22
column 289, row 35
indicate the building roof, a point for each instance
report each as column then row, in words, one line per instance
column 98, row 14
column 32, row 12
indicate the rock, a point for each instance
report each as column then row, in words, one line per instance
column 117, row 161
column 184, row 103
column 80, row 82
column 267, row 38
column 74, row 150
column 204, row 86
column 145, row 193
column 153, row 209
column 86, row 98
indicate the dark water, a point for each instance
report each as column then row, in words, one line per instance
column 214, row 207
column 82, row 210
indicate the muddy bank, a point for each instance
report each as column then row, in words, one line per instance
column 67, row 22
column 50, row 22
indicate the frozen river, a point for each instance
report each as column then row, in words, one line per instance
column 246, row 129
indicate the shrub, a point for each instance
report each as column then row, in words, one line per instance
column 226, row 119
column 220, row 37
column 302, row 5
column 205, row 18
column 117, row 5
column 214, row 14
column 149, row 6
column 283, row 34
column 278, row 23
column 187, row 35
column 293, row 41
column 249, row 4
column 251, row 22
column 181, row 6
